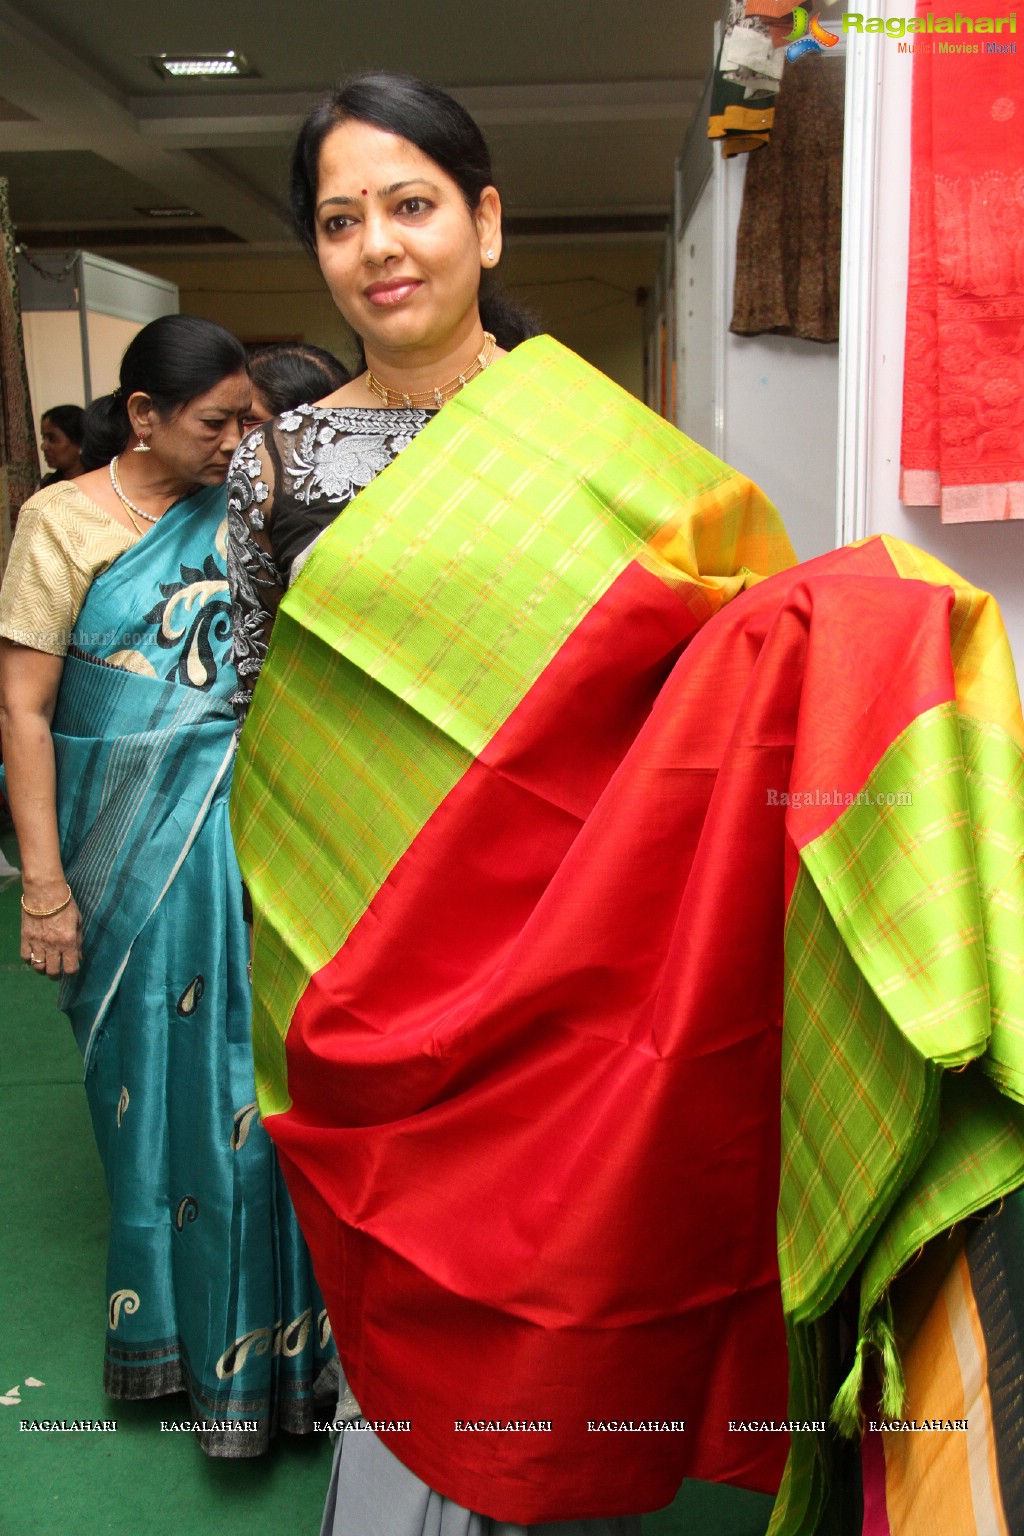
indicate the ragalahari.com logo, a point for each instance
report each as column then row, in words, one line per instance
column 808, row 37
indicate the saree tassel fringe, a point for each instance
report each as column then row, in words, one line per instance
column 880, row 1337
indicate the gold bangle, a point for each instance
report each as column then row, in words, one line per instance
column 51, row 911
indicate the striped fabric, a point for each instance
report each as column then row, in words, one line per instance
column 959, row 1315
column 122, row 821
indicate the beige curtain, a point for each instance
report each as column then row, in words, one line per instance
column 19, row 462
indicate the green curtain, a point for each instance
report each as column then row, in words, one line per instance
column 19, row 462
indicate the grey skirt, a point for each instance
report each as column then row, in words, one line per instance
column 373, row 1494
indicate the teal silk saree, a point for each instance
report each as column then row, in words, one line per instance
column 209, row 1286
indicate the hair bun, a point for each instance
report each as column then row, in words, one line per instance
column 106, row 430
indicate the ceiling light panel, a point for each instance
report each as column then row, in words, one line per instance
column 205, row 66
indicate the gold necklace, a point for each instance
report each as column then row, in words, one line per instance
column 126, row 502
column 433, row 397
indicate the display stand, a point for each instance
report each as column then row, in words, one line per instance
column 79, row 312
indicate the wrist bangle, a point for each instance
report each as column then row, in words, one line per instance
column 50, row 911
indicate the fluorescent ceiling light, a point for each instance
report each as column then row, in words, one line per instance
column 206, row 66
column 169, row 213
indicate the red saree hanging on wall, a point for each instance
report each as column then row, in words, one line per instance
column 963, row 393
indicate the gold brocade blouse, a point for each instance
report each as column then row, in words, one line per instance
column 63, row 541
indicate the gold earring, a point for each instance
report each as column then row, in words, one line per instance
column 142, row 446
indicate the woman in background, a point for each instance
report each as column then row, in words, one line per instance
column 62, row 429
column 115, row 674
column 290, row 373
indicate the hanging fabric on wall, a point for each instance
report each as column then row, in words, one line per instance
column 749, row 56
column 778, row 16
column 744, row 84
column 788, row 241
column 963, row 391
column 19, row 463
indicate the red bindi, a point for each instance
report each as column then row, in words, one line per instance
column 363, row 192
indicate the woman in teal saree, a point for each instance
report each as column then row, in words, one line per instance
column 132, row 896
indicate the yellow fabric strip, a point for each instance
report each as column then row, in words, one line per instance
column 941, row 1480
column 986, row 681
column 741, row 120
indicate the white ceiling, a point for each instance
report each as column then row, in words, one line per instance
column 584, row 102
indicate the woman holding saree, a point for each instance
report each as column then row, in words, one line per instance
column 618, row 912
column 115, row 672
column 393, row 193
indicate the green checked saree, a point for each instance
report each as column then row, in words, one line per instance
column 607, row 981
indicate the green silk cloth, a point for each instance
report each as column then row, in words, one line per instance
column 448, row 612
column 427, row 612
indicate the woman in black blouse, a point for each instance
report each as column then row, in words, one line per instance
column 392, row 192
column 408, row 262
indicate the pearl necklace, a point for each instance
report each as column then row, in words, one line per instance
column 128, row 504
column 433, row 397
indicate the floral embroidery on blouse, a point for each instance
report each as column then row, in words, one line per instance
column 327, row 464
column 288, row 481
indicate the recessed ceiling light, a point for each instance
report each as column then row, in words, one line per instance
column 169, row 213
column 206, row 66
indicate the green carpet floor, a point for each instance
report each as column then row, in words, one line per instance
column 53, row 1218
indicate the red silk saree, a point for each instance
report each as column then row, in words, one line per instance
column 593, row 1023
column 963, row 391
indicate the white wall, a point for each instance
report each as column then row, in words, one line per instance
column 109, row 335
column 53, row 359
column 768, row 405
column 991, row 555
column 781, row 408
column 585, row 295
column 696, row 322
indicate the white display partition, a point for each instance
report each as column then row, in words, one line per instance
column 768, row 405
column 862, row 255
column 53, row 356
column 699, row 325
column 79, row 312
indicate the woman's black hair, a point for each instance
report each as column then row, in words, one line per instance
column 291, row 373
column 172, row 360
column 439, row 127
column 68, row 419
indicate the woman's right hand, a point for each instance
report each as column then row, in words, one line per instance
column 52, row 946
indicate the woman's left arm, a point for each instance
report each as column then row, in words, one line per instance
column 29, row 681
column 257, row 585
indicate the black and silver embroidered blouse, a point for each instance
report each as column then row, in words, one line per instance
column 288, row 481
